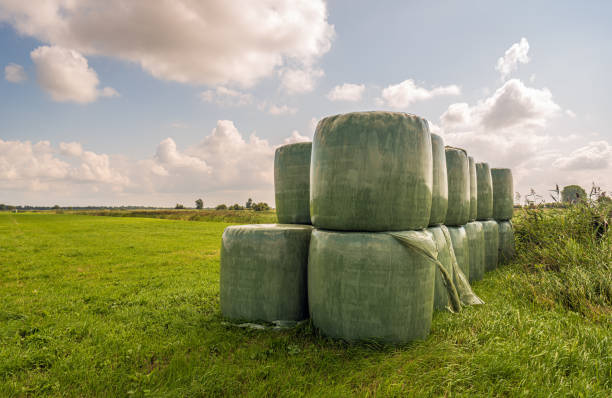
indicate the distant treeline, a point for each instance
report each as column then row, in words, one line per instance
column 56, row 207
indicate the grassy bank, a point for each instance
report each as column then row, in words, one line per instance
column 226, row 216
column 126, row 306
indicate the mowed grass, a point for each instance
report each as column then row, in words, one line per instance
column 114, row 306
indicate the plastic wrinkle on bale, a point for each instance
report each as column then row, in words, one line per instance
column 371, row 171
column 443, row 276
column 292, row 183
column 439, row 198
column 263, row 272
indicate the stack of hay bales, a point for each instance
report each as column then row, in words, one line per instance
column 485, row 215
column 371, row 173
column 389, row 206
column 503, row 191
column 264, row 267
column 474, row 230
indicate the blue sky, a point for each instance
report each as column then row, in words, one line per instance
column 196, row 106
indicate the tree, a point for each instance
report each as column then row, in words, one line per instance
column 249, row 203
column 199, row 204
column 221, row 207
column 179, row 206
column 236, row 206
column 56, row 207
column 261, row 206
column 573, row 194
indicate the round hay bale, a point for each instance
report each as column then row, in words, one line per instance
column 475, row 236
column 461, row 248
column 491, row 243
column 473, row 189
column 292, row 183
column 506, row 242
column 263, row 272
column 441, row 299
column 371, row 171
column 458, row 172
column 439, row 199
column 485, row 192
column 364, row 286
column 503, row 194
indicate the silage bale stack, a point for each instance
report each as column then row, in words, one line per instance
column 503, row 191
column 371, row 174
column 264, row 266
column 485, row 215
column 474, row 230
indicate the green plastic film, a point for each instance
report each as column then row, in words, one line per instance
column 461, row 249
column 475, row 236
column 458, row 172
column 364, row 286
column 491, row 245
column 441, row 299
column 292, row 183
column 485, row 192
column 506, row 242
column 503, row 194
column 371, row 171
column 473, row 189
column 263, row 272
column 439, row 198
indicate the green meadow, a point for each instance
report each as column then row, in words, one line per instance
column 129, row 306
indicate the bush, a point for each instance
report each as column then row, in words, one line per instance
column 261, row 206
column 566, row 255
column 221, row 207
column 179, row 206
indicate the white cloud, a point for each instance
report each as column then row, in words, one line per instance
column 226, row 96
column 570, row 113
column 407, row 92
column 295, row 138
column 281, row 110
column 299, row 81
column 212, row 42
column 512, row 105
column 595, row 155
column 14, row 73
column 346, row 92
column 66, row 75
column 517, row 53
column 168, row 157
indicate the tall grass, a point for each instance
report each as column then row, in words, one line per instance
column 567, row 258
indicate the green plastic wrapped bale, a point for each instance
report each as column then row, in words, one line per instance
column 485, row 192
column 441, row 298
column 506, row 242
column 476, row 241
column 439, row 198
column 364, row 286
column 461, row 249
column 473, row 189
column 263, row 272
column 458, row 172
column 503, row 194
column 371, row 171
column 491, row 245
column 292, row 183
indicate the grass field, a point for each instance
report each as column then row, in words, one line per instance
column 125, row 306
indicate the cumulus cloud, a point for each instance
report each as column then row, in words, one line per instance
column 594, row 155
column 281, row 110
column 180, row 40
column 407, row 92
column 570, row 113
column 517, row 53
column 15, row 73
column 346, row 92
column 295, row 138
column 226, row 96
column 299, row 81
column 66, row 75
column 512, row 105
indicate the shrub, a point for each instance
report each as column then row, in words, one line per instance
column 221, row 207
column 261, row 206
